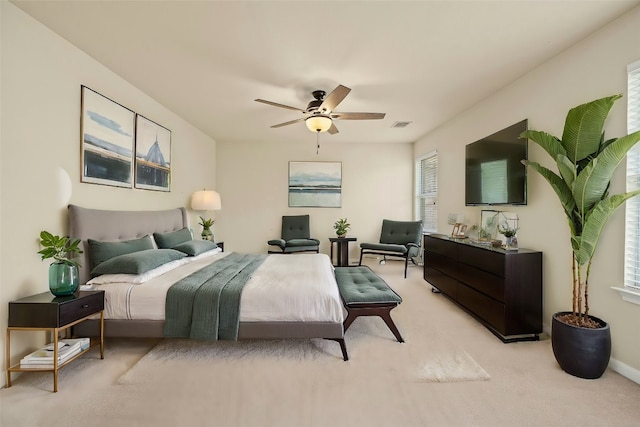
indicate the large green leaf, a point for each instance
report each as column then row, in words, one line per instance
column 567, row 169
column 593, row 181
column 583, row 127
column 559, row 186
column 550, row 144
column 595, row 222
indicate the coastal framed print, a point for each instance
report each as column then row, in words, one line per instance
column 315, row 184
column 153, row 155
column 107, row 140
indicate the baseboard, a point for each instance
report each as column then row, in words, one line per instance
column 625, row 370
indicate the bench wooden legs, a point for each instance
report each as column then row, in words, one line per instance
column 383, row 311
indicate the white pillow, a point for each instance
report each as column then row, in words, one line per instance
column 204, row 254
column 137, row 278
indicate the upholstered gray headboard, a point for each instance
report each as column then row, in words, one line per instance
column 119, row 225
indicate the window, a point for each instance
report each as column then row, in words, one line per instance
column 427, row 191
column 632, row 206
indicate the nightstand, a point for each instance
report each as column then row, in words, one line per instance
column 48, row 313
column 220, row 245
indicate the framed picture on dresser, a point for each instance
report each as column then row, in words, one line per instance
column 107, row 140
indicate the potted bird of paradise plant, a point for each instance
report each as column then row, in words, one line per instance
column 586, row 162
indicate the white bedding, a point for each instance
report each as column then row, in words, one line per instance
column 296, row 287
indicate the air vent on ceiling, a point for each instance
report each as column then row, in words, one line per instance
column 400, row 124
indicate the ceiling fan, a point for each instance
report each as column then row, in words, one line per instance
column 319, row 114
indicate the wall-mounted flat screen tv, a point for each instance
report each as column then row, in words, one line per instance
column 494, row 173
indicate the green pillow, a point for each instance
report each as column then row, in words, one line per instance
column 137, row 262
column 195, row 247
column 101, row 251
column 169, row 240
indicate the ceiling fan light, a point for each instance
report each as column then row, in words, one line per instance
column 318, row 123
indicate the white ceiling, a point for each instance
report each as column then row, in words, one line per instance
column 417, row 61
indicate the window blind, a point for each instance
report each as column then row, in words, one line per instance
column 632, row 206
column 427, row 191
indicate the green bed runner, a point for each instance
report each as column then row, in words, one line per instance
column 206, row 304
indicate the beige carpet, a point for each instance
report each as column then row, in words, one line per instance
column 306, row 383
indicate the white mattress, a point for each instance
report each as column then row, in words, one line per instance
column 296, row 287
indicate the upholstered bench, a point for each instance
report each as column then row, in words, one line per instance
column 364, row 293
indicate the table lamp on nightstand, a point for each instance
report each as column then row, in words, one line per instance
column 206, row 200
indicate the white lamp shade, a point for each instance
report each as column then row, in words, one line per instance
column 318, row 123
column 206, row 200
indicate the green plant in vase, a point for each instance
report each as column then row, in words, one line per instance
column 63, row 272
column 206, row 224
column 586, row 162
column 341, row 226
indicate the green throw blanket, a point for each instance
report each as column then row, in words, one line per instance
column 206, row 304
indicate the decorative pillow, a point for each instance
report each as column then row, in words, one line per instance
column 138, row 278
column 137, row 262
column 100, row 251
column 169, row 240
column 195, row 247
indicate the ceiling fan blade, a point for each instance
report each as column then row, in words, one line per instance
column 275, row 104
column 358, row 116
column 333, row 129
column 334, row 98
column 301, row 119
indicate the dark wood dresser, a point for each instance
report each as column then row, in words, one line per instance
column 501, row 289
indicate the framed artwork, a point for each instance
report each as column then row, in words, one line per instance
column 107, row 140
column 153, row 155
column 315, row 184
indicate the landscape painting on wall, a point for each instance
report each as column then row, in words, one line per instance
column 107, row 133
column 315, row 184
column 153, row 155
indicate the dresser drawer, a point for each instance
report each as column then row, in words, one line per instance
column 484, row 259
column 487, row 283
column 487, row 309
column 81, row 307
column 47, row 311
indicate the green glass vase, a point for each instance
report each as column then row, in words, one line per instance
column 63, row 279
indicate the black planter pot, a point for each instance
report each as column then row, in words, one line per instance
column 581, row 352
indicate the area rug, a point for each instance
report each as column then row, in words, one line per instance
column 452, row 368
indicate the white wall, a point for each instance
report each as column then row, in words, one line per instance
column 41, row 76
column 253, row 183
column 594, row 68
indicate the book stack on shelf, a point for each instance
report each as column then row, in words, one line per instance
column 43, row 358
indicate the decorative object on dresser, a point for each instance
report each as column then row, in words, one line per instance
column 502, row 289
column 206, row 200
column 586, row 163
column 63, row 272
column 42, row 312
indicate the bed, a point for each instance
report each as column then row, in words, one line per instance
column 272, row 302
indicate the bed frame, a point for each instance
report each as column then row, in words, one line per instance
column 125, row 225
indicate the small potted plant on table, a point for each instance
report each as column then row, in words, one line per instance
column 341, row 226
column 63, row 272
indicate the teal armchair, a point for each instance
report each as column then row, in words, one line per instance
column 294, row 237
column 397, row 239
